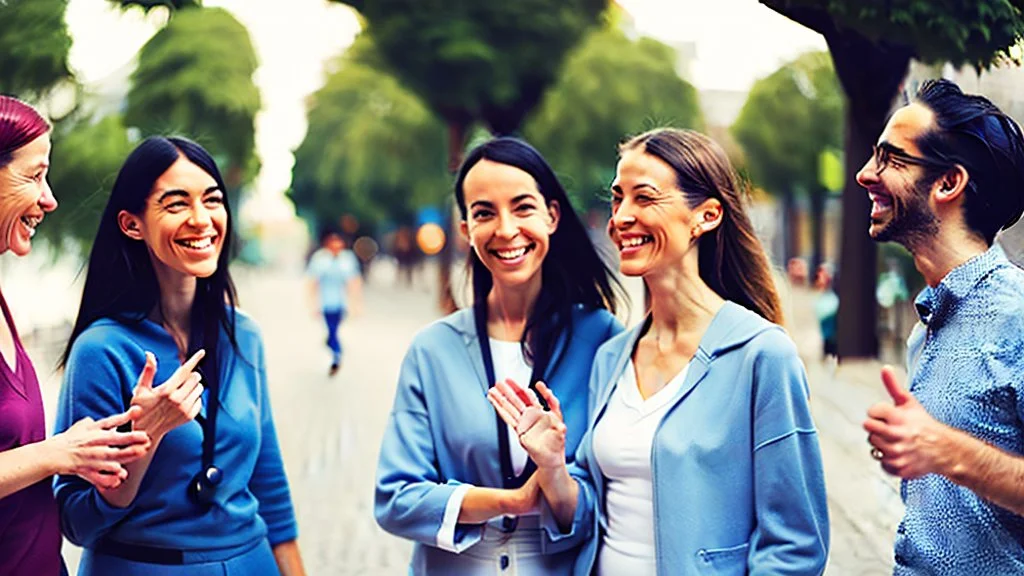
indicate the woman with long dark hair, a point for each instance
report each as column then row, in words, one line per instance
column 451, row 476
column 212, row 494
column 701, row 455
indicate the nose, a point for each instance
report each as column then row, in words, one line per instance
column 199, row 217
column 622, row 216
column 507, row 227
column 48, row 202
column 868, row 174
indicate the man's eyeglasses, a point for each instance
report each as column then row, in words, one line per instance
column 884, row 153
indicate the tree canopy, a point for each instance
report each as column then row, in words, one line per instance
column 194, row 77
column 34, row 45
column 610, row 88
column 373, row 149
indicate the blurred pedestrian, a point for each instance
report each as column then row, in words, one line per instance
column 947, row 174
column 826, row 309
column 336, row 287
column 701, row 456
column 93, row 449
column 452, row 476
column 211, row 497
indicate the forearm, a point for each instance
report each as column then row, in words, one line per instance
column 561, row 492
column 481, row 504
column 990, row 472
column 289, row 561
column 124, row 495
column 24, row 466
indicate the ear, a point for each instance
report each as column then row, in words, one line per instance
column 708, row 215
column 554, row 215
column 130, row 224
column 464, row 231
column 951, row 185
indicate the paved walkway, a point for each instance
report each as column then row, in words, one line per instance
column 330, row 429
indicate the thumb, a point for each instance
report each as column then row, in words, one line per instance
column 148, row 372
column 897, row 392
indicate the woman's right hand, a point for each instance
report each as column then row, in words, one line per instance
column 541, row 432
column 171, row 404
column 96, row 451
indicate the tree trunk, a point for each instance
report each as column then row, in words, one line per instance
column 871, row 75
column 790, row 227
column 818, row 198
column 457, row 133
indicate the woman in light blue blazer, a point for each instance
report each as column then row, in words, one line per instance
column 701, row 456
column 451, row 476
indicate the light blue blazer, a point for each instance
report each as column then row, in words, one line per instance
column 442, row 430
column 738, row 480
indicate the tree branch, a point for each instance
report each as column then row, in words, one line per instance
column 816, row 19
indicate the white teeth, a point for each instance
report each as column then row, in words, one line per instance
column 633, row 242
column 510, row 254
column 30, row 223
column 197, row 244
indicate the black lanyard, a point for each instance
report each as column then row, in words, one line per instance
column 508, row 477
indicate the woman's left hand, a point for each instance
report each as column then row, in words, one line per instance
column 541, row 432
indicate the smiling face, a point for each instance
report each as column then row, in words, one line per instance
column 508, row 223
column 25, row 195
column 183, row 222
column 650, row 224
column 900, row 192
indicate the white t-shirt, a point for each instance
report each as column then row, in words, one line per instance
column 509, row 362
column 623, row 440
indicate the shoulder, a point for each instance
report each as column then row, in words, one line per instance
column 773, row 342
column 441, row 333
column 592, row 319
column 105, row 334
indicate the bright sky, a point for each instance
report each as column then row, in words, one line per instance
column 737, row 42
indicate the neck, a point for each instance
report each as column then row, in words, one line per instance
column 944, row 252
column 177, row 293
column 681, row 303
column 509, row 307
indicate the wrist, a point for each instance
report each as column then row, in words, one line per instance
column 51, row 455
column 514, row 502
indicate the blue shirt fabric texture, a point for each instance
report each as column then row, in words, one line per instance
column 253, row 501
column 332, row 274
column 738, row 483
column 442, row 431
column 966, row 367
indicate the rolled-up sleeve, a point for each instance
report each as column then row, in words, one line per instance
column 792, row 533
column 92, row 387
column 410, row 499
column 269, row 484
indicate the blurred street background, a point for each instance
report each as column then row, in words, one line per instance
column 354, row 114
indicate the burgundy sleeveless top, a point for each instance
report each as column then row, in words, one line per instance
column 29, row 525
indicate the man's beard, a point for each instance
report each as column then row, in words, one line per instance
column 912, row 222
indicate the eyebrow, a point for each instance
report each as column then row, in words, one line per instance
column 892, row 148
column 617, row 188
column 181, row 193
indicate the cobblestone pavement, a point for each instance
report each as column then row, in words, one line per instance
column 330, row 428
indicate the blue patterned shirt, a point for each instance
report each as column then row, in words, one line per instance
column 966, row 361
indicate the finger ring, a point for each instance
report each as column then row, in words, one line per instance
column 877, row 454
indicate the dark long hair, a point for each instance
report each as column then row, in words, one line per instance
column 732, row 261
column 572, row 272
column 120, row 282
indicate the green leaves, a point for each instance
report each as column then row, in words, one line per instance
column 34, row 46
column 610, row 88
column 789, row 119
column 194, row 77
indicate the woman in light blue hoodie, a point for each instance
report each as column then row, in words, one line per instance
column 451, row 476
column 701, row 456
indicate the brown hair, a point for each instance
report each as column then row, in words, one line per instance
column 732, row 261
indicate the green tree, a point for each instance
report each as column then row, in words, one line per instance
column 475, row 61
column 789, row 118
column 194, row 77
column 86, row 157
column 34, row 44
column 611, row 87
column 872, row 42
column 372, row 149
column 148, row 5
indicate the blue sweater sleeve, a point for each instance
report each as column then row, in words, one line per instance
column 792, row 531
column 269, row 484
column 410, row 497
column 94, row 385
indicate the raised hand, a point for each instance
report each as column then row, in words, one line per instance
column 541, row 433
column 171, row 404
column 906, row 439
column 96, row 451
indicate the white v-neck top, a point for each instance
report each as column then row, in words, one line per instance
column 623, row 440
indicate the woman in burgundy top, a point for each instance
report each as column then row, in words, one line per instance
column 30, row 537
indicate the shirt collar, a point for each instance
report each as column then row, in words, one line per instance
column 934, row 305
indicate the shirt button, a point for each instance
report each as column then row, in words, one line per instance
column 504, row 562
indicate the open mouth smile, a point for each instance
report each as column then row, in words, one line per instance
column 512, row 254
column 633, row 243
column 197, row 244
column 30, row 223
column 880, row 203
